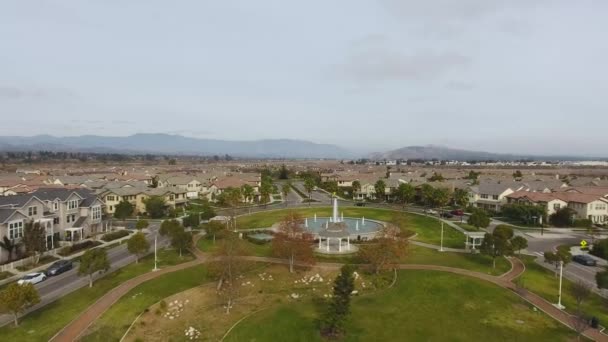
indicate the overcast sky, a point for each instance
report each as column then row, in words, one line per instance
column 522, row 76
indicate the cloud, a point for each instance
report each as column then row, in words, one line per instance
column 459, row 85
column 379, row 63
column 16, row 93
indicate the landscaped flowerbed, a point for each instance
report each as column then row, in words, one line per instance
column 115, row 235
column 75, row 248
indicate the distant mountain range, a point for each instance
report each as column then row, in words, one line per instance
column 175, row 144
column 445, row 153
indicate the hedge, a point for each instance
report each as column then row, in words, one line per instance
column 67, row 250
column 115, row 235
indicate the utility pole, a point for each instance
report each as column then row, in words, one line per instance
column 441, row 246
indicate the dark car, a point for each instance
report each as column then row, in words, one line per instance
column 457, row 212
column 360, row 204
column 584, row 259
column 59, row 267
column 447, row 215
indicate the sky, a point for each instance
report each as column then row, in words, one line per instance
column 518, row 76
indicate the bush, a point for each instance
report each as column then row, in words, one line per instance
column 583, row 223
column 115, row 235
column 600, row 249
column 67, row 250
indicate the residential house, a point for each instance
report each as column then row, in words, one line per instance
column 492, row 195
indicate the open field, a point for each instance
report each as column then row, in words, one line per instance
column 423, row 306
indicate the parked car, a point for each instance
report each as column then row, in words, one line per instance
column 430, row 212
column 457, row 212
column 447, row 215
column 32, row 278
column 59, row 267
column 584, row 259
column 360, row 204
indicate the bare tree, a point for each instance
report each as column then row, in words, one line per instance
column 228, row 267
column 581, row 292
column 385, row 251
column 579, row 324
column 292, row 241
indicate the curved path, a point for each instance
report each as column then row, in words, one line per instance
column 74, row 329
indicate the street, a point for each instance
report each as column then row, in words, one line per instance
column 56, row 287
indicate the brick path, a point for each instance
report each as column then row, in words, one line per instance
column 74, row 329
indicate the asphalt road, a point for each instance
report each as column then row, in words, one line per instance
column 56, row 287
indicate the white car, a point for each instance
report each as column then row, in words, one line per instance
column 430, row 212
column 32, row 278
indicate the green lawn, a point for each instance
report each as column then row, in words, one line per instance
column 42, row 324
column 544, row 283
column 475, row 262
column 427, row 228
column 423, row 306
column 5, row 274
column 112, row 325
column 207, row 246
column 467, row 227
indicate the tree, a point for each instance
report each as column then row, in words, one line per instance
column 141, row 224
column 207, row 211
column 560, row 257
column 356, row 187
column 228, row 267
column 380, row 189
column 155, row 206
column 213, row 228
column 473, row 175
column 285, row 189
column 283, row 172
column 10, row 246
column 601, row 279
column 168, row 227
column 123, row 210
column 427, row 192
column 504, row 231
column 436, row 177
column 517, row 174
column 292, row 241
column 138, row 245
column 172, row 161
column 581, row 291
column 385, row 251
column 93, row 261
column 519, row 243
column 441, row 197
column 461, row 198
column 309, row 185
column 405, row 193
column 34, row 239
column 247, row 191
column 332, row 322
column 181, row 239
column 563, row 217
column 154, row 182
column 495, row 245
column 15, row 298
column 479, row 219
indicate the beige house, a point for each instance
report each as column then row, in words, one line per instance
column 174, row 197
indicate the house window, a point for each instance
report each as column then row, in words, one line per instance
column 55, row 206
column 15, row 230
column 495, row 197
column 171, row 198
column 67, row 219
column 111, row 208
column 484, row 196
column 73, row 204
column 31, row 211
column 96, row 213
column 556, row 206
column 109, row 198
column 55, row 220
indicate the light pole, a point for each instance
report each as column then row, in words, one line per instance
column 559, row 297
column 441, row 246
column 155, row 258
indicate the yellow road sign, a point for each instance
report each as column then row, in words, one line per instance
column 583, row 243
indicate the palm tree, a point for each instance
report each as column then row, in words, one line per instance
column 247, row 192
column 10, row 246
column 356, row 187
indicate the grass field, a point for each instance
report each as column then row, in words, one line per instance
column 42, row 324
column 112, row 325
column 427, row 229
column 544, row 283
column 423, row 306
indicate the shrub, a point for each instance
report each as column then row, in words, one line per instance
column 115, row 235
column 583, row 223
column 600, row 249
column 67, row 250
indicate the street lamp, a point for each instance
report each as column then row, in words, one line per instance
column 441, row 246
column 559, row 296
column 155, row 257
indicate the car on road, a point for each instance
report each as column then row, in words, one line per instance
column 430, row 212
column 32, row 278
column 447, row 215
column 457, row 212
column 59, row 267
column 360, row 204
column 584, row 259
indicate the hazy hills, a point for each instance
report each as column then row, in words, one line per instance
column 176, row 144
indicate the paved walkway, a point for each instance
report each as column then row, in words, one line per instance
column 79, row 325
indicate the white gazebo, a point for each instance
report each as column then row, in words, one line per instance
column 337, row 231
column 473, row 239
